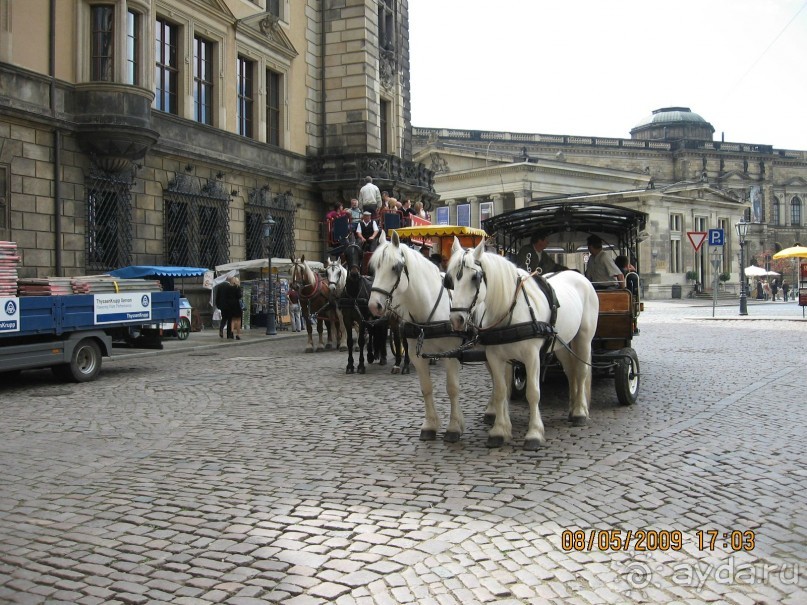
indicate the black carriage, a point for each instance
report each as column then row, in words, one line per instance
column 568, row 225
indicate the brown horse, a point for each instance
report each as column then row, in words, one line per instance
column 314, row 302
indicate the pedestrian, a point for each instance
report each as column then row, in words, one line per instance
column 760, row 291
column 774, row 289
column 237, row 308
column 785, row 289
column 533, row 256
column 601, row 269
column 766, row 290
column 367, row 232
column 294, row 311
column 369, row 194
column 222, row 299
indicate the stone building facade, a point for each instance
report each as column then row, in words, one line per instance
column 670, row 167
column 163, row 132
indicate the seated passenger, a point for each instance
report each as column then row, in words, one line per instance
column 601, row 269
column 629, row 271
column 532, row 256
column 367, row 232
column 338, row 210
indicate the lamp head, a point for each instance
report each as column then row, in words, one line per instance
column 742, row 229
column 268, row 226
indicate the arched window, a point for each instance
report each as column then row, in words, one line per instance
column 795, row 212
column 776, row 217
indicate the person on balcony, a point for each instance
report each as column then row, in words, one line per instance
column 370, row 194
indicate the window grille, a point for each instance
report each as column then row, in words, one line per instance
column 261, row 203
column 196, row 226
column 108, row 236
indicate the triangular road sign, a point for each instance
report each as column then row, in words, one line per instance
column 696, row 238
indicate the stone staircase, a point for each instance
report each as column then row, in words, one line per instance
column 721, row 295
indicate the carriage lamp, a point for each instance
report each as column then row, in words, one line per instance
column 742, row 232
column 269, row 241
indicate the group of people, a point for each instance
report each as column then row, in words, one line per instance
column 770, row 291
column 230, row 302
column 601, row 269
column 363, row 220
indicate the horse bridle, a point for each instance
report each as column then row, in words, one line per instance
column 448, row 282
column 314, row 286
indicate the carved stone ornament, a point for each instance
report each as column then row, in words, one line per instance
column 439, row 164
column 269, row 25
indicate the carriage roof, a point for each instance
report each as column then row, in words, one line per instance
column 565, row 217
column 439, row 231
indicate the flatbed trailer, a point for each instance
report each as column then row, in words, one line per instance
column 71, row 333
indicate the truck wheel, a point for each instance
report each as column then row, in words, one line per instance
column 84, row 364
column 626, row 377
column 183, row 328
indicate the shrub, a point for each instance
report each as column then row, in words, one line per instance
column 692, row 275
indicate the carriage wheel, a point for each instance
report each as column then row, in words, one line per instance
column 519, row 386
column 626, row 377
column 183, row 328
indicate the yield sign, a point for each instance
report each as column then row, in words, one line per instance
column 696, row 238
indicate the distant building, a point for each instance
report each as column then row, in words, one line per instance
column 670, row 168
column 144, row 132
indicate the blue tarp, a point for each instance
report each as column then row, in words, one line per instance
column 143, row 271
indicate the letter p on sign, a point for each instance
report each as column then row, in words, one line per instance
column 715, row 237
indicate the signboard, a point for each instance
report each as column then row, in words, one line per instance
column 122, row 306
column 10, row 315
column 696, row 238
column 716, row 237
column 464, row 215
column 442, row 215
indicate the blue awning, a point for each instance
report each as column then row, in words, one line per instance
column 145, row 271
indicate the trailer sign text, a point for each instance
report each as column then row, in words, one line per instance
column 10, row 315
column 123, row 306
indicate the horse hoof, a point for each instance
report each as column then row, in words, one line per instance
column 428, row 435
column 489, row 419
column 349, row 370
column 495, row 441
column 362, row 370
column 451, row 437
column 309, row 350
column 532, row 445
column 396, row 370
column 382, row 361
column 579, row 421
column 432, row 362
column 328, row 347
column 343, row 348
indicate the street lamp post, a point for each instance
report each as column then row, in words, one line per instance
column 742, row 232
column 269, row 240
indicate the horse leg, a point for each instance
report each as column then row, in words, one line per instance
column 578, row 374
column 502, row 430
column 431, row 421
column 396, row 350
column 309, row 348
column 341, row 342
column 456, row 422
column 328, row 326
column 405, row 343
column 370, row 336
column 535, row 430
column 321, row 343
column 350, row 368
column 490, row 410
column 380, row 343
column 362, row 335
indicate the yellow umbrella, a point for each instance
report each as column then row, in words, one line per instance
column 793, row 252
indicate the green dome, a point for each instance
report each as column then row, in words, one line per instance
column 673, row 123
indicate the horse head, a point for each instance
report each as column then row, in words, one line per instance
column 388, row 265
column 354, row 255
column 336, row 275
column 465, row 275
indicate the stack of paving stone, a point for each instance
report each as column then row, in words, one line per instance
column 9, row 260
column 87, row 284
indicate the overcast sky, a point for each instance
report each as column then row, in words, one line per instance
column 599, row 67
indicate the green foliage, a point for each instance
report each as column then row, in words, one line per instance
column 691, row 275
column 724, row 277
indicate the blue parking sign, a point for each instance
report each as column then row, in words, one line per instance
column 715, row 237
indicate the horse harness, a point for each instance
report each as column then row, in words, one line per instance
column 495, row 335
column 313, row 292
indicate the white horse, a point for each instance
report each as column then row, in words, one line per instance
column 410, row 285
column 336, row 274
column 504, row 304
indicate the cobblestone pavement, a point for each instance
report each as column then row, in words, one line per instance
column 249, row 472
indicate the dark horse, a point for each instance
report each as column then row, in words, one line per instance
column 377, row 337
column 353, row 304
column 314, row 297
